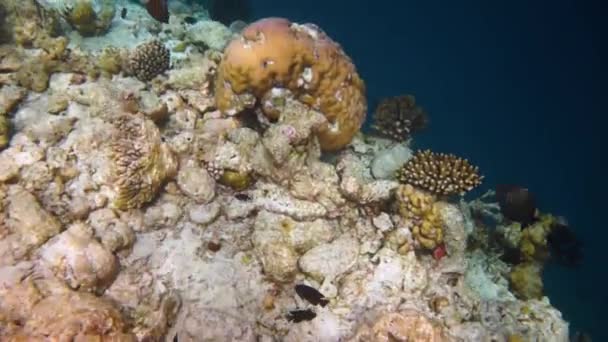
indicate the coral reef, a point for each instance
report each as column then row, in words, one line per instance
column 149, row 59
column 398, row 117
column 302, row 59
column 440, row 173
column 133, row 208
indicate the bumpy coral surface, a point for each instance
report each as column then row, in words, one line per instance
column 424, row 215
column 440, row 173
column 275, row 53
column 149, row 59
column 141, row 161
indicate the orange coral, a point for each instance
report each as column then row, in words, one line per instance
column 274, row 52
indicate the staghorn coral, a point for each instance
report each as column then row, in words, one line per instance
column 439, row 173
column 141, row 162
column 88, row 22
column 149, row 60
column 274, row 52
column 423, row 213
column 398, row 117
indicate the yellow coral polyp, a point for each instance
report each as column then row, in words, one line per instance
column 275, row 53
column 236, row 180
column 423, row 212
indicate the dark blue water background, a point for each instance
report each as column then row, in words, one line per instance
column 512, row 85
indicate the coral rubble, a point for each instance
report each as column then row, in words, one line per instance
column 143, row 208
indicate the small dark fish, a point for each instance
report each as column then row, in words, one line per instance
column 298, row 316
column 190, row 20
column 516, row 204
column 123, row 13
column 581, row 337
column 565, row 247
column 159, row 10
column 242, row 197
column 312, row 295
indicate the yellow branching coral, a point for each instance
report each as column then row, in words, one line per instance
column 423, row 212
column 440, row 173
column 526, row 281
column 275, row 53
column 141, row 162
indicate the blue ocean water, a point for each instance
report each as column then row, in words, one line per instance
column 515, row 86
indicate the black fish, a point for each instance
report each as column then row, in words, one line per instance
column 565, row 248
column 516, row 204
column 298, row 316
column 158, row 9
column 190, row 20
column 123, row 13
column 312, row 295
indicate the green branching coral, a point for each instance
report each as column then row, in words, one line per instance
column 86, row 21
column 141, row 161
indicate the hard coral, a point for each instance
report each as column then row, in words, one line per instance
column 423, row 212
column 275, row 53
column 141, row 161
column 398, row 117
column 149, row 59
column 440, row 173
column 83, row 17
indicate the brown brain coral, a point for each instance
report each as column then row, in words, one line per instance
column 141, row 162
column 440, row 173
column 275, row 53
column 424, row 214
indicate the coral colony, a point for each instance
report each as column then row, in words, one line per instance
column 166, row 177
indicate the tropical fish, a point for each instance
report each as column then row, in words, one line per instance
column 158, row 9
column 298, row 316
column 565, row 248
column 516, row 204
column 312, row 295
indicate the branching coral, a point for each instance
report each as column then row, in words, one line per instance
column 440, row 173
column 398, row 117
column 526, row 281
column 275, row 53
column 149, row 59
column 424, row 214
column 83, row 17
column 141, row 162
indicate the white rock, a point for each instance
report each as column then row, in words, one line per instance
column 204, row 214
column 196, row 183
column 330, row 260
